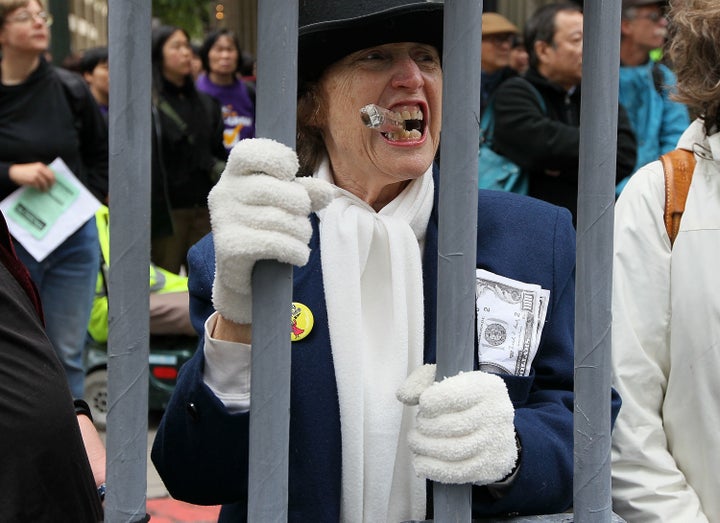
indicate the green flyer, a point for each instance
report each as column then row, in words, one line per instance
column 37, row 211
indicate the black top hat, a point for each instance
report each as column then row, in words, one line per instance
column 332, row 29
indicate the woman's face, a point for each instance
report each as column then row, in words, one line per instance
column 25, row 30
column 403, row 77
column 223, row 56
column 177, row 58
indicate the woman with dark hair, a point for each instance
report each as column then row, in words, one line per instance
column 361, row 448
column 666, row 308
column 221, row 58
column 188, row 152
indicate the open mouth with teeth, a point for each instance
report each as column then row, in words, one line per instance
column 411, row 117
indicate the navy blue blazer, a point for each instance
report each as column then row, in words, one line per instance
column 201, row 452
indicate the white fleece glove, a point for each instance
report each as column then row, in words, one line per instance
column 464, row 431
column 259, row 211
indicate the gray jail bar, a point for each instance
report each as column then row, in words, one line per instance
column 457, row 224
column 270, row 417
column 129, row 329
column 596, row 196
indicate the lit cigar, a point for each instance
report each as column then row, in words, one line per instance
column 381, row 119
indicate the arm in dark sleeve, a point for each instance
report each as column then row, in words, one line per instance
column 216, row 144
column 201, row 450
column 6, row 184
column 218, row 127
column 626, row 146
column 525, row 134
column 201, row 262
column 94, row 147
column 544, row 400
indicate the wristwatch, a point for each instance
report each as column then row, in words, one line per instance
column 101, row 491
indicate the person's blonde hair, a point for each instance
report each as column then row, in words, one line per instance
column 694, row 51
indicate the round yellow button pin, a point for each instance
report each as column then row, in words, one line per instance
column 302, row 321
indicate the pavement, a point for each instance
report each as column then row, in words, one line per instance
column 160, row 505
column 168, row 510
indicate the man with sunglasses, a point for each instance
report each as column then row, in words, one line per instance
column 645, row 85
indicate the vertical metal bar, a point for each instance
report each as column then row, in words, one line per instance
column 272, row 281
column 457, row 242
column 129, row 120
column 596, row 196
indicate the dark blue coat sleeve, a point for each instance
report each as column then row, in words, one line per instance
column 192, row 469
column 201, row 272
column 534, row 242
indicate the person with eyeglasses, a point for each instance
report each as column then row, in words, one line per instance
column 646, row 85
column 26, row 17
column 46, row 113
column 498, row 34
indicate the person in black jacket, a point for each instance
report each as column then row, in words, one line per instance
column 545, row 142
column 188, row 151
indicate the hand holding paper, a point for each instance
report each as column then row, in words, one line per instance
column 37, row 175
column 41, row 221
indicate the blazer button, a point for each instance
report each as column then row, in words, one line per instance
column 193, row 412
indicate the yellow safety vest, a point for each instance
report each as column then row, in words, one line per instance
column 161, row 280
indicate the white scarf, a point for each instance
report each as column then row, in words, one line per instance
column 372, row 274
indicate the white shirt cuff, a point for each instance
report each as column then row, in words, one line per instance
column 227, row 370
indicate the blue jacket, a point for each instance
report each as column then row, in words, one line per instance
column 657, row 121
column 201, row 450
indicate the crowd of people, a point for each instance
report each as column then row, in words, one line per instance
column 355, row 211
column 538, row 110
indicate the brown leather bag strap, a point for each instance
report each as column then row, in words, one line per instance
column 678, row 166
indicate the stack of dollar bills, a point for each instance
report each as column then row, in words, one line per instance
column 510, row 319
